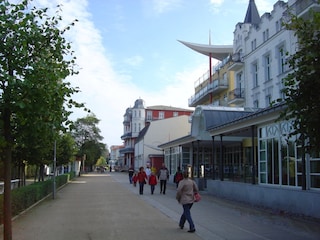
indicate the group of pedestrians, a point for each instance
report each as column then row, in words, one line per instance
column 144, row 176
column 186, row 189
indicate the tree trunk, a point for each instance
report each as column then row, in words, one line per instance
column 7, row 216
column 7, row 196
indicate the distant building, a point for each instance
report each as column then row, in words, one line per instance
column 155, row 133
column 116, row 158
column 136, row 118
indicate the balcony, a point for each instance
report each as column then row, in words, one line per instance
column 126, row 150
column 203, row 94
column 237, row 62
column 236, row 96
column 126, row 135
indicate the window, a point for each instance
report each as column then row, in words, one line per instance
column 265, row 35
column 175, row 114
column 268, row 100
column 255, row 74
column 279, row 24
column 239, row 83
column 161, row 115
column 253, row 44
column 278, row 155
column 225, row 79
column 268, row 96
column 267, row 67
column 149, row 115
column 282, row 60
column 278, row 27
column 256, row 103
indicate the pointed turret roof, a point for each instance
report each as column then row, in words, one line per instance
column 252, row 15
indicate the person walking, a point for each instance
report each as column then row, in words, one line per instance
column 142, row 179
column 135, row 179
column 185, row 196
column 130, row 172
column 152, row 182
column 178, row 177
column 163, row 176
column 148, row 171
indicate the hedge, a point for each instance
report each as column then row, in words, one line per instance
column 24, row 197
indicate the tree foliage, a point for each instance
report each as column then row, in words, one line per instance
column 88, row 139
column 101, row 162
column 35, row 59
column 303, row 83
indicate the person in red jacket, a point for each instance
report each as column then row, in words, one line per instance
column 135, row 179
column 142, row 179
column 153, row 181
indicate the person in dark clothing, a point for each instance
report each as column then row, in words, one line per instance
column 130, row 172
column 178, row 177
column 163, row 176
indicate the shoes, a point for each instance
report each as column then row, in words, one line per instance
column 181, row 227
column 191, row 230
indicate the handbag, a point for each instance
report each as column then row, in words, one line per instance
column 197, row 197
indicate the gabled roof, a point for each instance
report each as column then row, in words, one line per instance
column 252, row 15
column 218, row 52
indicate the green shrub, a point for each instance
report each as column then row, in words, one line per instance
column 24, row 197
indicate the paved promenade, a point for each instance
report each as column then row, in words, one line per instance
column 105, row 206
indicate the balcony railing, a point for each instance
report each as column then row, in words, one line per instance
column 215, row 68
column 126, row 135
column 215, row 87
column 126, row 150
column 236, row 96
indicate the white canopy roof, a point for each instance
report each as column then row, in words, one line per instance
column 218, row 52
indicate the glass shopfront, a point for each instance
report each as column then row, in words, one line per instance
column 280, row 158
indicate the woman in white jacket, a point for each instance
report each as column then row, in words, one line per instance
column 185, row 196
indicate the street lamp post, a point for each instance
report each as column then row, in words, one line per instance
column 54, row 169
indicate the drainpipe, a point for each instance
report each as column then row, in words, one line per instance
column 253, row 180
column 213, row 169
column 221, row 159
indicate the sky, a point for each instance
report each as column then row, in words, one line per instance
column 129, row 49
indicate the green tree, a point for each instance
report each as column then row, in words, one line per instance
column 301, row 86
column 66, row 149
column 101, row 162
column 88, row 139
column 303, row 83
column 35, row 59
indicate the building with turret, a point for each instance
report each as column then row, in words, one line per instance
column 137, row 118
column 237, row 148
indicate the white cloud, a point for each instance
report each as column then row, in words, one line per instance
column 134, row 61
column 162, row 6
column 109, row 93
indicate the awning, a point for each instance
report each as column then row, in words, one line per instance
column 218, row 52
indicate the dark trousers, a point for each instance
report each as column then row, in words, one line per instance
column 163, row 185
column 186, row 215
column 141, row 185
column 152, row 188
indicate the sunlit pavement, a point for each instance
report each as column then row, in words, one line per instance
column 106, row 206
